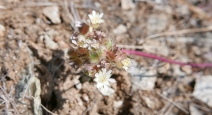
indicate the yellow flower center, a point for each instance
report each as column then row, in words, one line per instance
column 102, row 79
column 95, row 19
column 126, row 62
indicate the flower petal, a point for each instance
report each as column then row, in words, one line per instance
column 107, row 83
column 99, row 85
column 112, row 80
column 100, row 73
column 101, row 20
column 102, row 91
column 95, row 79
column 97, row 75
column 94, row 13
column 109, row 72
column 74, row 41
column 90, row 16
column 100, row 15
column 104, row 70
column 126, row 68
column 109, row 90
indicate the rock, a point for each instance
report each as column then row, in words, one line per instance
column 163, row 69
column 85, row 97
column 149, row 102
column 53, row 14
column 187, row 69
column 203, row 89
column 182, row 10
column 97, row 4
column 193, row 1
column 2, row 30
column 208, row 56
column 141, row 78
column 130, row 15
column 167, row 9
column 151, row 46
column 196, row 50
column 194, row 111
column 177, row 71
column 77, row 84
column 20, row 43
column 117, row 104
column 158, row 1
column 157, row 23
column 37, row 47
column 180, row 40
column 13, row 1
column 127, row 4
column 50, row 43
column 120, row 29
column 63, row 46
column 145, row 82
column 79, row 100
column 52, row 33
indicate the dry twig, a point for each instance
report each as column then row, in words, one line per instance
column 202, row 108
column 43, row 106
column 148, row 1
column 178, row 106
column 9, row 100
column 165, row 108
column 129, row 46
column 47, row 110
column 68, row 14
column 93, row 102
column 180, row 32
column 40, row 4
column 169, row 110
column 74, row 11
column 201, row 14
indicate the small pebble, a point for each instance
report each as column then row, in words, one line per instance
column 120, row 29
column 53, row 14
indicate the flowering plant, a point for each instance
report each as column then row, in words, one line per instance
column 91, row 47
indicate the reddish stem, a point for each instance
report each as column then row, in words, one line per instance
column 139, row 53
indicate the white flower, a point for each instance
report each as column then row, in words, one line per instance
column 95, row 18
column 103, row 78
column 126, row 63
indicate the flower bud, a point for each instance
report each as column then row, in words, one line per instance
column 126, row 63
column 83, row 28
column 94, row 57
column 82, row 50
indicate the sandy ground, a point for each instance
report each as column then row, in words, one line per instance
column 33, row 48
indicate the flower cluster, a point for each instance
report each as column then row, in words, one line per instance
column 93, row 49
